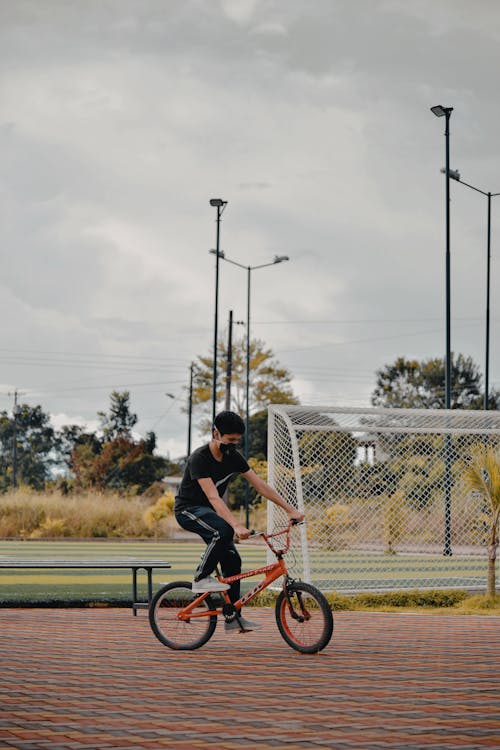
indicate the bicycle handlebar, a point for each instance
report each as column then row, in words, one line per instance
column 285, row 530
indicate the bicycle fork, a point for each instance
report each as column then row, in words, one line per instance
column 304, row 614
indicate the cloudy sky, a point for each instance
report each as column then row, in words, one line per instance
column 120, row 119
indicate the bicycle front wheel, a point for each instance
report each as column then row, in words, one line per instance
column 176, row 633
column 304, row 617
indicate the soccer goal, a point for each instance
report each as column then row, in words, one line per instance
column 384, row 495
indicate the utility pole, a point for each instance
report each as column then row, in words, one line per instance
column 220, row 205
column 15, row 413
column 190, row 408
column 229, row 366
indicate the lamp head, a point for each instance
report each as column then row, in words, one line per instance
column 441, row 111
column 221, row 253
column 280, row 258
column 217, row 202
column 454, row 173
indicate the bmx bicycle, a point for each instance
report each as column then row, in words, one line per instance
column 183, row 620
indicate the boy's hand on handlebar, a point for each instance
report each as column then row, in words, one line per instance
column 241, row 531
column 296, row 515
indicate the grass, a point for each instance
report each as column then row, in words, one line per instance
column 98, row 588
column 31, row 515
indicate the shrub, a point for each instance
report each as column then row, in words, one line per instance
column 155, row 515
column 51, row 527
column 434, row 598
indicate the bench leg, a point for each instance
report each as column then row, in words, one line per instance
column 150, row 585
column 135, row 603
column 134, row 591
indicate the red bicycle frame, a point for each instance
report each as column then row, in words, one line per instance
column 272, row 573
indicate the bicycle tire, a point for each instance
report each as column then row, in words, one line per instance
column 180, row 635
column 309, row 605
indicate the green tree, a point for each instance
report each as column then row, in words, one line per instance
column 117, row 461
column 121, row 463
column 418, row 384
column 482, row 475
column 120, row 421
column 35, row 447
column 70, row 437
column 269, row 381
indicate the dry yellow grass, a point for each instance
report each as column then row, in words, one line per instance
column 32, row 515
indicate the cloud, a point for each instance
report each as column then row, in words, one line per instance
column 120, row 120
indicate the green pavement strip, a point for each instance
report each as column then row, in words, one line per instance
column 106, row 585
column 350, row 570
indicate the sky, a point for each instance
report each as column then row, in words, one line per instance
column 121, row 119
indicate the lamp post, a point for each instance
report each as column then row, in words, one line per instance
column 455, row 175
column 277, row 259
column 220, row 205
column 441, row 111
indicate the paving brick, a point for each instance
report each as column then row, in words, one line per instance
column 98, row 679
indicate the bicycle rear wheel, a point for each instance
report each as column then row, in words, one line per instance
column 304, row 617
column 182, row 635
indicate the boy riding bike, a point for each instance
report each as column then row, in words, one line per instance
column 199, row 508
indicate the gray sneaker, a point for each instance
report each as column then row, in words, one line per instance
column 233, row 626
column 208, row 584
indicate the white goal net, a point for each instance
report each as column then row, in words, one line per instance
column 384, row 495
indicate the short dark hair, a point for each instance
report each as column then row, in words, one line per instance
column 228, row 422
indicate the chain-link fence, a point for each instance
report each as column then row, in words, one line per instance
column 384, row 495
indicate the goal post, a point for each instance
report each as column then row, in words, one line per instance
column 384, row 495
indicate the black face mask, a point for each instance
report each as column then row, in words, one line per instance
column 228, row 449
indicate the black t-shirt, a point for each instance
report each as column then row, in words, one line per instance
column 202, row 465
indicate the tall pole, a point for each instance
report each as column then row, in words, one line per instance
column 487, row 355
column 247, row 399
column 441, row 111
column 15, row 413
column 229, row 366
column 455, row 175
column 190, row 408
column 14, row 447
column 216, row 317
column 448, row 265
column 249, row 269
column 447, row 507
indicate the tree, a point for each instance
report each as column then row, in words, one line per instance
column 117, row 461
column 120, row 421
column 269, row 381
column 482, row 475
column 421, row 385
column 35, row 442
column 121, row 463
column 258, row 434
column 70, row 437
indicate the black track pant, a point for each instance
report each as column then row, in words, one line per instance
column 218, row 536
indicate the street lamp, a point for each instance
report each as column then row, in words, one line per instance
column 441, row 111
column 455, row 175
column 220, row 205
column 277, row 259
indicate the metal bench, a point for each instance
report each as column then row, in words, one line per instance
column 117, row 563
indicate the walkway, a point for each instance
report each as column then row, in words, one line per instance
column 79, row 679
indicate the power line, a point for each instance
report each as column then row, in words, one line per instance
column 401, row 335
column 341, row 321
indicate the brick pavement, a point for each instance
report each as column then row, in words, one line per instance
column 86, row 679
